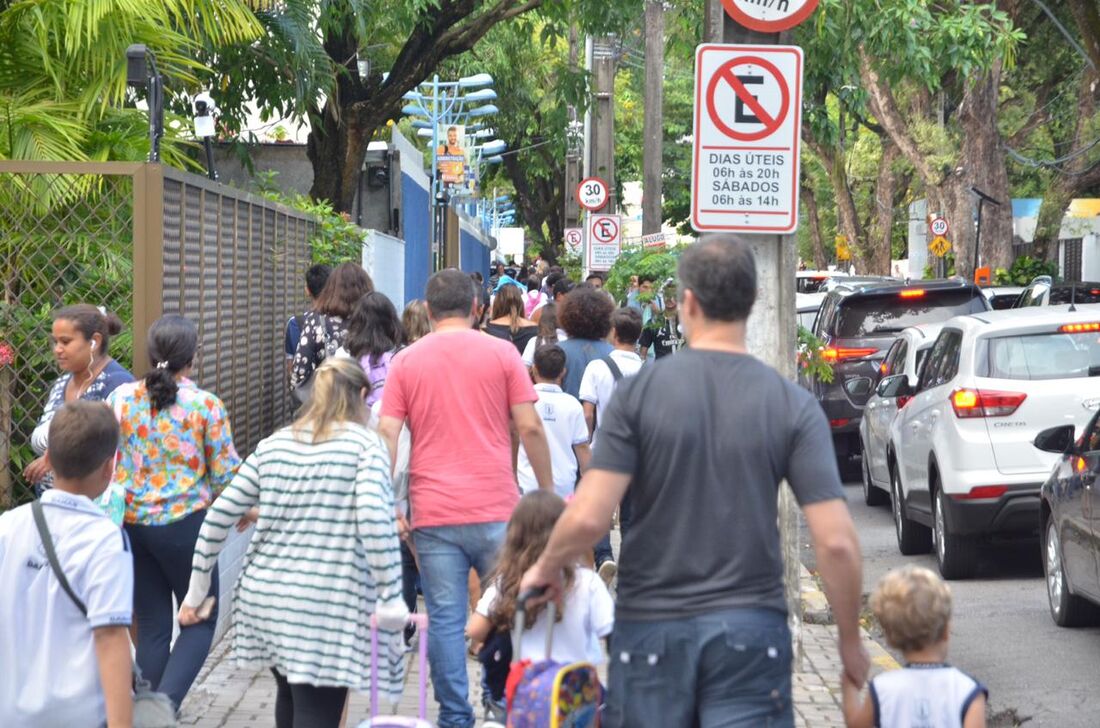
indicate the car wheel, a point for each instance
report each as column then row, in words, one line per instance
column 913, row 538
column 956, row 555
column 1066, row 609
column 872, row 495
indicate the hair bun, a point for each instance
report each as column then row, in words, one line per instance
column 114, row 323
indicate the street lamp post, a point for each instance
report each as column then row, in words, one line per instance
column 141, row 72
column 443, row 103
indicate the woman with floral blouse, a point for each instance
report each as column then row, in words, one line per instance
column 175, row 457
column 81, row 337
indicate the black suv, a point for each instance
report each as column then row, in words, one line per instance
column 1043, row 291
column 857, row 324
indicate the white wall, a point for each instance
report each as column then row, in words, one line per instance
column 387, row 265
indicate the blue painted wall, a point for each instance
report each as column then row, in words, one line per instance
column 416, row 217
column 473, row 256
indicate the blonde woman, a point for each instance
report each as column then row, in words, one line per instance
column 323, row 559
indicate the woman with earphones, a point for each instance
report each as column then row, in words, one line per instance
column 81, row 337
column 175, row 456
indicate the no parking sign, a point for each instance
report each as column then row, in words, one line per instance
column 604, row 241
column 748, row 120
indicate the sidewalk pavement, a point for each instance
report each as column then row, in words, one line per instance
column 225, row 696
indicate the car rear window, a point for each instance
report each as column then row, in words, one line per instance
column 1086, row 293
column 882, row 314
column 814, row 284
column 1043, row 356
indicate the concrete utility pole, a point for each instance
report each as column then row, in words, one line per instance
column 653, row 128
column 771, row 329
column 602, row 150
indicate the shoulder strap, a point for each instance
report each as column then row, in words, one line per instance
column 51, row 554
column 616, row 373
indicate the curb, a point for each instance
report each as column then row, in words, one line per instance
column 816, row 610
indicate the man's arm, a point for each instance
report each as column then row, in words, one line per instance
column 584, row 522
column 836, row 547
column 112, row 651
column 584, row 456
column 529, row 427
column 590, row 416
column 389, row 429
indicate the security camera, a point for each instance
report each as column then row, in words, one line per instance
column 205, row 109
column 203, row 105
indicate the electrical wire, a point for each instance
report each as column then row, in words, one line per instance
column 1069, row 37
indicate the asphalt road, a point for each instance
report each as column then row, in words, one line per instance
column 1038, row 674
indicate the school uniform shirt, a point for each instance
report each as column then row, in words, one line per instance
column 563, row 420
column 51, row 675
column 598, row 384
column 924, row 695
column 588, row 615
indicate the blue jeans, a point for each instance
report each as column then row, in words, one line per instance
column 162, row 568
column 728, row 669
column 447, row 553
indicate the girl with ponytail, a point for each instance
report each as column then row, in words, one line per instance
column 175, row 457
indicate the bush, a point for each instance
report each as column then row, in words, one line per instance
column 656, row 263
column 1024, row 270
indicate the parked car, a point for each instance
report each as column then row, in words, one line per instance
column 857, row 323
column 1043, row 291
column 1002, row 297
column 962, row 466
column 1069, row 513
column 905, row 356
column 812, row 281
column 807, row 305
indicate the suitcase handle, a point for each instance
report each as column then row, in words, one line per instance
column 421, row 622
column 521, row 619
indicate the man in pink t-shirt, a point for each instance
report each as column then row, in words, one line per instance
column 459, row 391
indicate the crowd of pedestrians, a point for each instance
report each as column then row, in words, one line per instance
column 479, row 444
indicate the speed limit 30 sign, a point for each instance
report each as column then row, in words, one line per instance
column 592, row 194
column 939, row 227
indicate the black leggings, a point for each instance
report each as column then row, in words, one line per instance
column 299, row 705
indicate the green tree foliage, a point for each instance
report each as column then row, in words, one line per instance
column 63, row 71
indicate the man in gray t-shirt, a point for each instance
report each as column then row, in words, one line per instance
column 702, row 440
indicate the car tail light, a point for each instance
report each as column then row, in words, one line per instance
column 985, row 402
column 1079, row 328
column 912, row 293
column 839, row 353
column 838, row 423
column 980, row 492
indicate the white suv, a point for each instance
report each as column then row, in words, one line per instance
column 962, row 464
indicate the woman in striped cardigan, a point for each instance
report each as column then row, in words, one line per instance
column 323, row 559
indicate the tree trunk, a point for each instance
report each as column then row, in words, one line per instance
column 880, row 237
column 1071, row 180
column 847, row 217
column 816, row 238
column 653, row 125
column 983, row 158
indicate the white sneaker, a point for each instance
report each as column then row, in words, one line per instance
column 607, row 571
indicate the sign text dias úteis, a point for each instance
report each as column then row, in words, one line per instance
column 748, row 121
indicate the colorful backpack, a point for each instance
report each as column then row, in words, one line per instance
column 550, row 694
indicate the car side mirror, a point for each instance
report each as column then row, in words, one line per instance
column 858, row 386
column 894, row 386
column 1057, row 440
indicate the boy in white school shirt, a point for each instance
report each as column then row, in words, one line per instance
column 562, row 419
column 603, row 375
column 64, row 669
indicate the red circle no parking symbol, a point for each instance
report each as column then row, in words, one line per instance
column 747, row 109
column 605, row 230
